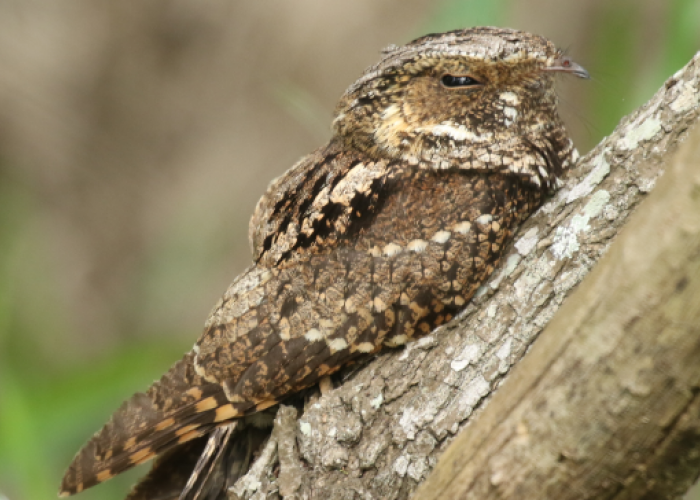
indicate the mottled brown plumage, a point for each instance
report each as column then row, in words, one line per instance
column 438, row 153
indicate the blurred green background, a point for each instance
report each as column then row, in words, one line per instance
column 135, row 139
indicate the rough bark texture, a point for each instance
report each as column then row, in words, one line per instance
column 607, row 403
column 606, row 406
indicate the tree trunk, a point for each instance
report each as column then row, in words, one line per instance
column 607, row 404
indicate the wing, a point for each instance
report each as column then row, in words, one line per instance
column 323, row 200
column 434, row 238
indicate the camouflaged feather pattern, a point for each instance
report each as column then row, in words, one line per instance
column 373, row 240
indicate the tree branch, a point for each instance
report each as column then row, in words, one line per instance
column 607, row 404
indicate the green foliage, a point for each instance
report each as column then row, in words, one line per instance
column 48, row 406
column 629, row 65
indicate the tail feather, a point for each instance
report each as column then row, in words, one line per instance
column 169, row 473
column 179, row 407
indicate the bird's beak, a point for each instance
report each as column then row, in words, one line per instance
column 566, row 65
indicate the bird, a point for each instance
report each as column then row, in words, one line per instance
column 439, row 151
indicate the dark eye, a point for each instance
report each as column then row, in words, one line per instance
column 452, row 81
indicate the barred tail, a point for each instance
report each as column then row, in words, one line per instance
column 178, row 408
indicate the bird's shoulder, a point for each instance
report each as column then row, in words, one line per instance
column 323, row 200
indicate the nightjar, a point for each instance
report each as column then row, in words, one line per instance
column 438, row 152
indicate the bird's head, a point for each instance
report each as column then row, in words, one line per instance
column 481, row 99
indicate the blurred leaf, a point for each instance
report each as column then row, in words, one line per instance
column 682, row 35
column 614, row 46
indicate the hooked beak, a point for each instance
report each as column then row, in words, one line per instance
column 565, row 65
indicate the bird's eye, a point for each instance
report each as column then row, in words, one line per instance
column 452, row 81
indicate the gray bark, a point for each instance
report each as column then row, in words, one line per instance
column 607, row 404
